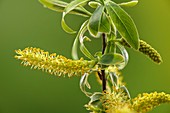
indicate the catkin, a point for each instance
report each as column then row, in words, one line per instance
column 146, row 102
column 57, row 65
column 147, row 50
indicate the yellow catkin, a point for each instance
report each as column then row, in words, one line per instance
column 52, row 63
column 146, row 102
column 147, row 50
column 117, row 102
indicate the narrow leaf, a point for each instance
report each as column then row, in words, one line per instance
column 125, row 90
column 105, row 25
column 80, row 37
column 54, row 5
column 111, row 59
column 59, row 6
column 94, row 21
column 129, row 4
column 85, row 51
column 76, row 41
column 113, row 79
column 74, row 52
column 96, row 96
column 73, row 5
column 83, row 84
column 123, row 23
column 125, row 56
column 65, row 27
column 94, row 4
column 69, row 8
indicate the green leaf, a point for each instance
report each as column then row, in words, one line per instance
column 81, row 38
column 76, row 41
column 96, row 100
column 125, row 55
column 73, row 5
column 83, row 48
column 69, row 8
column 74, row 52
column 129, row 4
column 85, row 51
column 125, row 90
column 59, row 6
column 96, row 96
column 54, row 5
column 123, row 23
column 110, row 47
column 65, row 27
column 94, row 4
column 84, row 83
column 111, row 59
column 94, row 21
column 105, row 26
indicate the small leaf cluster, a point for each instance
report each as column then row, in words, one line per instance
column 107, row 18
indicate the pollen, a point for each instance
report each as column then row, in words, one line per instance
column 117, row 102
column 52, row 63
column 146, row 102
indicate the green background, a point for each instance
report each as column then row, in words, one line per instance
column 26, row 23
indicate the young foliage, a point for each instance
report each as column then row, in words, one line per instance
column 111, row 59
column 117, row 30
column 129, row 4
column 95, row 21
column 124, row 24
column 59, row 6
column 67, row 9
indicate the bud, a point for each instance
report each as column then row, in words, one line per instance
column 147, row 50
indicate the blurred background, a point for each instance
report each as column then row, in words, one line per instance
column 26, row 23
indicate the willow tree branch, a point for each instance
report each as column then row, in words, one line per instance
column 103, row 42
column 103, row 71
column 103, row 80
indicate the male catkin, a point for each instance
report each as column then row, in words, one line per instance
column 57, row 65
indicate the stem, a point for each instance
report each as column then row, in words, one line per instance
column 102, row 74
column 103, row 80
column 103, row 43
column 103, row 71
